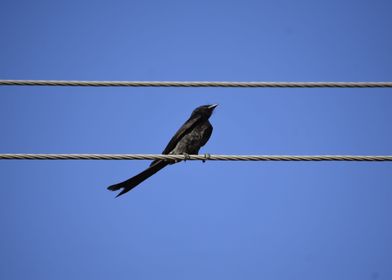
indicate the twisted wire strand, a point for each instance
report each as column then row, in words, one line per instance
column 197, row 157
column 196, row 84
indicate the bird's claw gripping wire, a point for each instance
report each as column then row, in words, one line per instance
column 206, row 157
column 186, row 157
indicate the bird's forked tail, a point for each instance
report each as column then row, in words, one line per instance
column 129, row 184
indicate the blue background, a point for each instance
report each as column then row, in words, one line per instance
column 217, row 220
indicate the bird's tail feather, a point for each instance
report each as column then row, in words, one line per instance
column 129, row 184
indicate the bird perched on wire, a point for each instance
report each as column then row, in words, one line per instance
column 188, row 140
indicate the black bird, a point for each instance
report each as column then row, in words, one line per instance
column 191, row 136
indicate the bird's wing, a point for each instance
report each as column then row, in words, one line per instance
column 184, row 129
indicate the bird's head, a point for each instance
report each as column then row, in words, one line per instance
column 205, row 111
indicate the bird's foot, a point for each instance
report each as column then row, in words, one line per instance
column 186, row 156
column 206, row 157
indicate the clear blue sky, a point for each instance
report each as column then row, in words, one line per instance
column 217, row 220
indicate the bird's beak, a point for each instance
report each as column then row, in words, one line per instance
column 212, row 106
